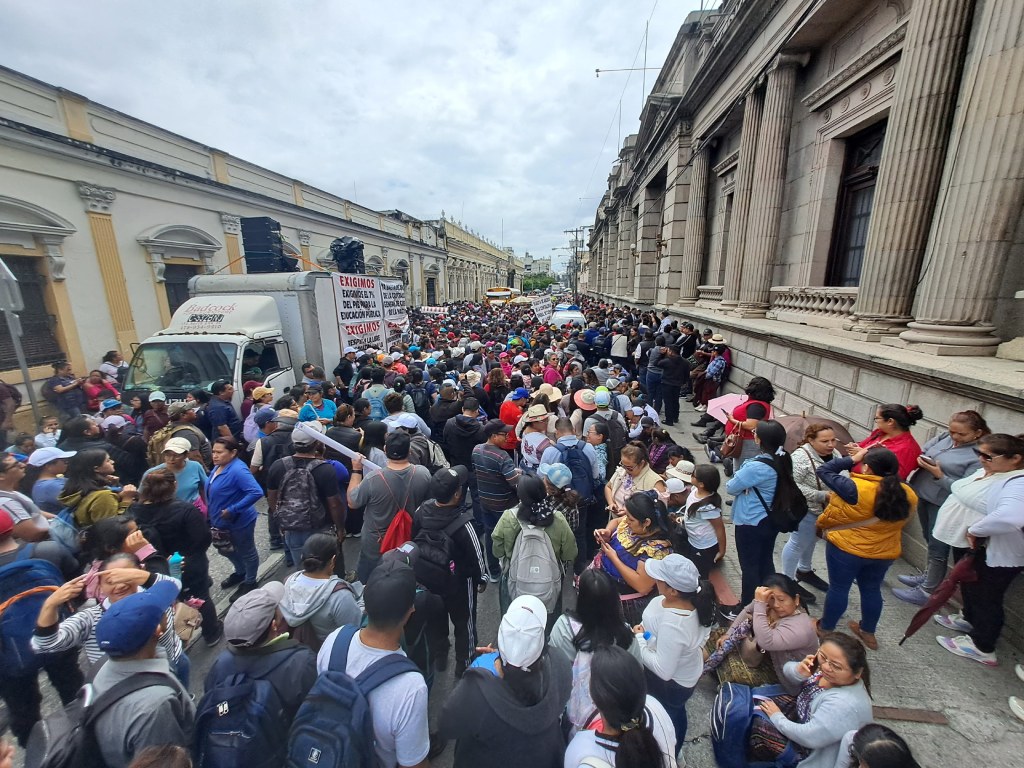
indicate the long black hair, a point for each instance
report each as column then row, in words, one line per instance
column 618, row 689
column 531, row 492
column 81, row 474
column 772, row 437
column 891, row 502
column 855, row 653
column 876, row 746
column 599, row 611
column 643, row 506
column 106, row 537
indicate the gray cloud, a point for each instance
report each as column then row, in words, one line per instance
column 488, row 111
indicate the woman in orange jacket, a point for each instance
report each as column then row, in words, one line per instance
column 862, row 525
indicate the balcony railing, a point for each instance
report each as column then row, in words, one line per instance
column 709, row 296
column 821, row 306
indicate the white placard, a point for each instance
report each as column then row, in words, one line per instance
column 542, row 308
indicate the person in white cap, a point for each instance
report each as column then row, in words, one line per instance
column 675, row 628
column 345, row 373
column 46, row 467
column 509, row 702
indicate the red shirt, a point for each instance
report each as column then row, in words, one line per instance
column 510, row 413
column 904, row 445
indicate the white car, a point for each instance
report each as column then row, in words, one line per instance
column 562, row 316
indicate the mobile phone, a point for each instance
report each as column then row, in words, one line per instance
column 928, row 460
column 814, row 663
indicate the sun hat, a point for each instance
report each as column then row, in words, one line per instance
column 718, row 339
column 675, row 570
column 521, row 632
column 683, row 470
column 535, row 413
column 585, row 399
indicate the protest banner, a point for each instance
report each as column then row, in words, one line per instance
column 542, row 308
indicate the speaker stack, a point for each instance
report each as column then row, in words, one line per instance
column 264, row 246
column 347, row 253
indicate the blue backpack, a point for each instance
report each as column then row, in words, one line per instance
column 240, row 721
column 582, row 473
column 64, row 530
column 24, row 586
column 333, row 727
column 731, row 716
column 377, row 410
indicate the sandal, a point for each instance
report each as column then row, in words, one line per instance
column 868, row 638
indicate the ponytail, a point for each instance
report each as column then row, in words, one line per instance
column 772, row 436
column 703, row 601
column 891, row 502
column 618, row 689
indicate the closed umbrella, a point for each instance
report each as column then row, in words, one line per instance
column 797, row 425
column 719, row 406
column 963, row 572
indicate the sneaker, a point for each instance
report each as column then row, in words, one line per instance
column 212, row 641
column 913, row 595
column 701, row 408
column 727, row 614
column 1019, row 669
column 700, row 437
column 232, row 580
column 243, row 589
column 912, row 581
column 954, row 621
column 1017, row 706
column 276, row 545
column 494, row 578
column 355, row 535
column 964, row 646
column 713, row 456
column 806, row 596
column 813, row 579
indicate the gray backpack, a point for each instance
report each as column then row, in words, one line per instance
column 298, row 504
column 533, row 568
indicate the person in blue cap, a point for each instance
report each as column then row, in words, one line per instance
column 162, row 712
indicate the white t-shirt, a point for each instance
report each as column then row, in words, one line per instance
column 589, row 744
column 674, row 649
column 21, row 508
column 698, row 530
column 398, row 707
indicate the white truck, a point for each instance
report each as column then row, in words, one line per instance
column 263, row 326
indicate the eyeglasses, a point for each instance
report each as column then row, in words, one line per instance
column 628, row 467
column 825, row 661
column 989, row 456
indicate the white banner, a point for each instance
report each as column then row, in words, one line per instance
column 542, row 308
column 368, row 466
column 371, row 310
column 434, row 310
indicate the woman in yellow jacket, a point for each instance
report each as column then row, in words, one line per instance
column 862, row 524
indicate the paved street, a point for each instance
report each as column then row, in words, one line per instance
column 919, row 678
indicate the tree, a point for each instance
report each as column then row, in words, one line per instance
column 538, row 283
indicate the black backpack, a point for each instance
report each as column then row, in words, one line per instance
column 784, row 515
column 420, row 401
column 66, row 739
column 298, row 503
column 435, row 566
column 617, row 439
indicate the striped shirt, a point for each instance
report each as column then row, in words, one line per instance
column 496, row 476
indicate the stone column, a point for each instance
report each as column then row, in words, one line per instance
column 609, row 255
column 741, row 198
column 770, row 184
column 625, row 260
column 696, row 227
column 981, row 201
column 912, row 161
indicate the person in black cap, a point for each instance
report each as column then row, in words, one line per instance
column 451, row 559
column 163, row 712
column 398, row 707
column 496, row 479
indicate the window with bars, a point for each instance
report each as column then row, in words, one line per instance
column 38, row 326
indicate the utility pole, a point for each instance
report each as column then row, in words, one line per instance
column 576, row 246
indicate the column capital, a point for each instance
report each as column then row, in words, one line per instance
column 305, row 237
column 53, row 245
column 232, row 224
column 790, row 60
column 97, row 199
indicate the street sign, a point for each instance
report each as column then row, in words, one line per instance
column 10, row 291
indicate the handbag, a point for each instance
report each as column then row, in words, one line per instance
column 221, row 539
column 732, row 447
column 186, row 621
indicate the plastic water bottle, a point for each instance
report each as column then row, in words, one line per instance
column 647, row 635
column 174, row 563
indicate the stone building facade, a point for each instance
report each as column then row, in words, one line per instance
column 837, row 187
column 104, row 218
column 475, row 263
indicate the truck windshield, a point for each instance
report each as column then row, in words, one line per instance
column 180, row 365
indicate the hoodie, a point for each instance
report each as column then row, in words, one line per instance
column 94, row 506
column 467, row 553
column 461, row 434
column 325, row 603
column 490, row 723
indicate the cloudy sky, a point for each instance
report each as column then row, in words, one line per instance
column 488, row 111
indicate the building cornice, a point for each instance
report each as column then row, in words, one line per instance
column 874, row 57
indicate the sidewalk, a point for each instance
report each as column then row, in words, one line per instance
column 949, row 709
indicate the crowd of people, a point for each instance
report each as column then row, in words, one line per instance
column 484, row 451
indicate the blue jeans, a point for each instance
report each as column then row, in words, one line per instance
column 654, row 393
column 182, row 669
column 755, row 546
column 843, row 570
column 797, row 554
column 245, row 558
column 294, row 541
column 673, row 697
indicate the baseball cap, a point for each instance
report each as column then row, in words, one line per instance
column 390, row 591
column 682, row 470
column 612, row 382
column 260, row 392
column 407, row 421
column 302, row 437
column 675, row 485
column 349, row 350
column 179, row 408
column 446, row 482
column 157, row 395
column 314, row 387
column 675, row 570
column 602, row 397
column 286, row 416
column 584, row 399
column 557, row 474
column 113, row 421
column 127, row 625
column 42, row 456
column 250, row 615
column 177, row 445
column 264, row 416
column 111, row 403
column 520, row 393
column 396, row 446
column 495, row 426
column 521, row 632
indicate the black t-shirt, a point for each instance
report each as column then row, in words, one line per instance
column 324, row 477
